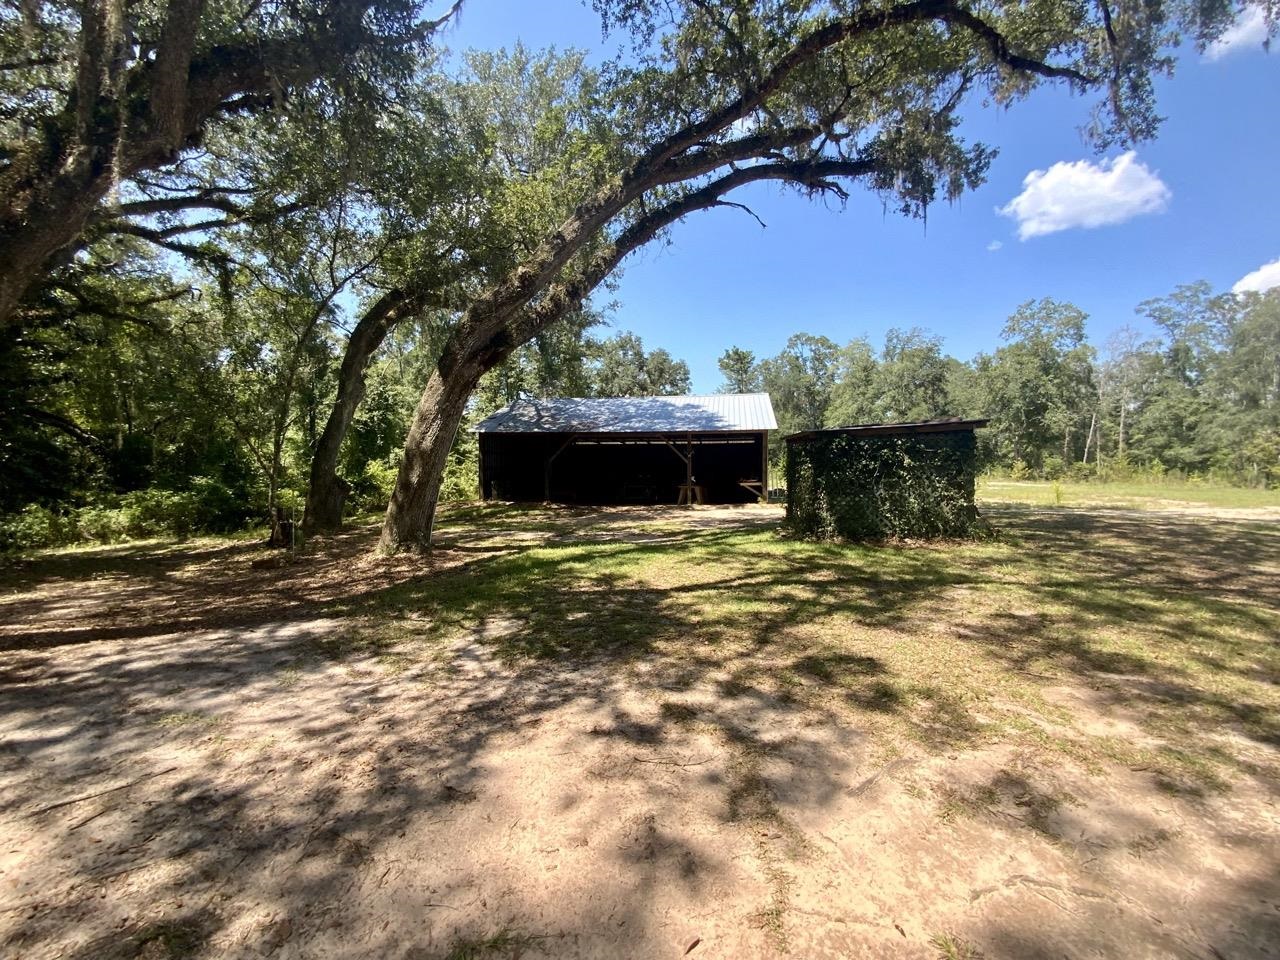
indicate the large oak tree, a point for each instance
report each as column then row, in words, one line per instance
column 94, row 93
column 718, row 94
column 468, row 171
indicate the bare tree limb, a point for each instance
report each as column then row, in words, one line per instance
column 63, row 425
column 741, row 206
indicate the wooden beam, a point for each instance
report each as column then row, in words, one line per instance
column 688, row 466
column 676, row 451
column 764, row 467
column 546, row 478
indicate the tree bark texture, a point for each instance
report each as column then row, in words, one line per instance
column 326, row 491
column 411, row 513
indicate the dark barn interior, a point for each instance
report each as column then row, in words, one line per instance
column 610, row 461
column 618, row 468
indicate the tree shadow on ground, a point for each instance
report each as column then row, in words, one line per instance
column 380, row 717
column 284, row 832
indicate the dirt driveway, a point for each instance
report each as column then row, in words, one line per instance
column 200, row 757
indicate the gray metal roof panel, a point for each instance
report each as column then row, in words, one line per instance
column 938, row 425
column 716, row 412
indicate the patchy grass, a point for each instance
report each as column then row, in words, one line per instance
column 1169, row 619
column 951, row 947
column 185, row 719
column 504, row 942
column 800, row 725
column 945, row 646
column 166, row 940
column 1141, row 495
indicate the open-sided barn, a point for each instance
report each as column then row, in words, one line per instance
column 618, row 450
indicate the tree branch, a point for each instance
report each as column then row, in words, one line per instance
column 429, row 27
column 205, row 199
column 161, row 238
column 568, row 295
column 658, row 164
column 129, row 111
column 743, row 207
column 172, row 64
column 119, row 308
column 62, row 424
column 999, row 48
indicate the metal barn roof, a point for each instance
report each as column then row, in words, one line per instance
column 717, row 412
column 940, row 425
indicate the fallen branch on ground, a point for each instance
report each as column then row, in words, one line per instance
column 672, row 763
column 101, row 793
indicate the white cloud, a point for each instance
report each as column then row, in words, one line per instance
column 994, row 245
column 1264, row 278
column 1085, row 194
column 1250, row 30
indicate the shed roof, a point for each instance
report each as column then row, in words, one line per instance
column 941, row 425
column 709, row 413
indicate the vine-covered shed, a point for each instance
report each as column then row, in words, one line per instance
column 620, row 450
column 878, row 480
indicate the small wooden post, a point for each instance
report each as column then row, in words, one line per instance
column 688, row 466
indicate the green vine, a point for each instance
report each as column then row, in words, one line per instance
column 883, row 487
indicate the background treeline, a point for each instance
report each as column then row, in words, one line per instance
column 142, row 433
column 1200, row 399
column 180, row 415
column 258, row 257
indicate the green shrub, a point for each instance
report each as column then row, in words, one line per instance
column 460, row 473
column 209, row 505
column 371, row 491
column 1119, row 468
column 157, row 513
column 216, row 507
column 36, row 526
column 101, row 523
column 1080, row 473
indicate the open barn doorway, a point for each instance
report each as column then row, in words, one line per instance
column 614, row 460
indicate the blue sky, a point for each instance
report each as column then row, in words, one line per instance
column 1201, row 201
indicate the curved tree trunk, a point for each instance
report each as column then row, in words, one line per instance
column 326, row 491
column 536, row 293
column 488, row 335
column 411, row 513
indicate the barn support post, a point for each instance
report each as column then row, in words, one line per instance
column 687, row 459
column 546, row 478
column 688, row 466
column 764, row 467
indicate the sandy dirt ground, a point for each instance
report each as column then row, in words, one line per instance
column 181, row 775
